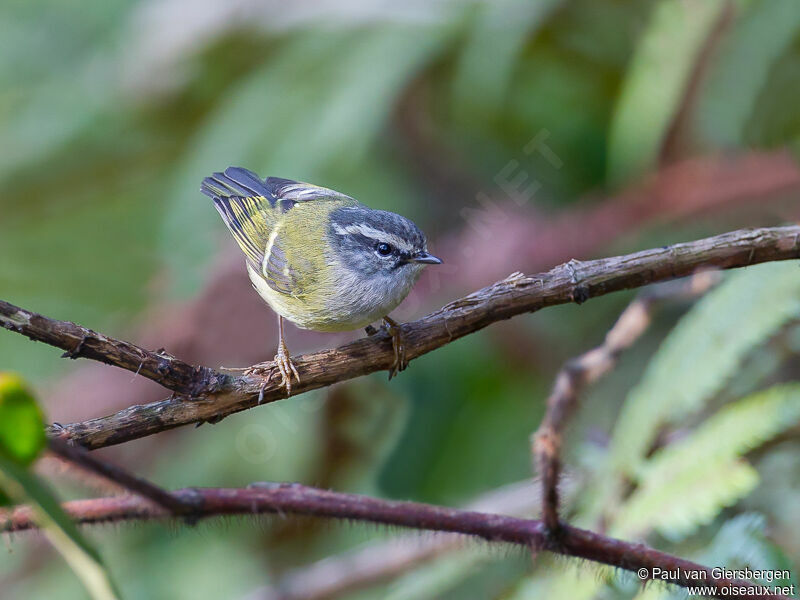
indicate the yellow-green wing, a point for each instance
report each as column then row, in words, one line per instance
column 252, row 209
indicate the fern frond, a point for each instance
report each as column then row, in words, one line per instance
column 732, row 431
column 702, row 352
column 676, row 507
column 687, row 483
column 742, row 542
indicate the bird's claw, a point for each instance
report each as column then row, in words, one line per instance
column 282, row 363
column 395, row 330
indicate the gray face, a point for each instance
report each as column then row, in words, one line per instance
column 376, row 242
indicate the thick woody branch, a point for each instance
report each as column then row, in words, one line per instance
column 215, row 395
column 587, row 368
column 302, row 500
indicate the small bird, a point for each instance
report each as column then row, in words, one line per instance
column 318, row 257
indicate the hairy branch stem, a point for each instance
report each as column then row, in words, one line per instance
column 302, row 500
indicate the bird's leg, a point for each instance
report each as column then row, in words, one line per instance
column 282, row 363
column 398, row 346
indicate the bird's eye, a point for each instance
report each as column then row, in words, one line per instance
column 383, row 249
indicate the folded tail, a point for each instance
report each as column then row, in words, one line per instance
column 236, row 181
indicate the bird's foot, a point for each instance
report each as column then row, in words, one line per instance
column 395, row 330
column 282, row 363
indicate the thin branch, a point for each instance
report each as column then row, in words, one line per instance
column 216, row 395
column 81, row 457
column 587, row 368
column 80, row 342
column 374, row 562
column 302, row 500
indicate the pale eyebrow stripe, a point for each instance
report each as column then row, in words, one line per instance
column 375, row 234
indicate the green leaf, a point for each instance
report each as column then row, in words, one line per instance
column 22, row 486
column 22, row 435
column 687, row 483
column 702, row 353
column 656, row 83
column 742, row 67
column 494, row 45
column 733, row 431
column 775, row 121
column 694, row 496
column 22, row 438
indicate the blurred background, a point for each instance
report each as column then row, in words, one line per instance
column 518, row 134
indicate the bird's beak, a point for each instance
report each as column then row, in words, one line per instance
column 426, row 259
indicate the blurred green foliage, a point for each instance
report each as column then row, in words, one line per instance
column 763, row 299
column 689, row 481
column 112, row 112
column 21, row 440
column 656, row 83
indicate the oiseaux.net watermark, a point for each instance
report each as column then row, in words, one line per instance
column 719, row 575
